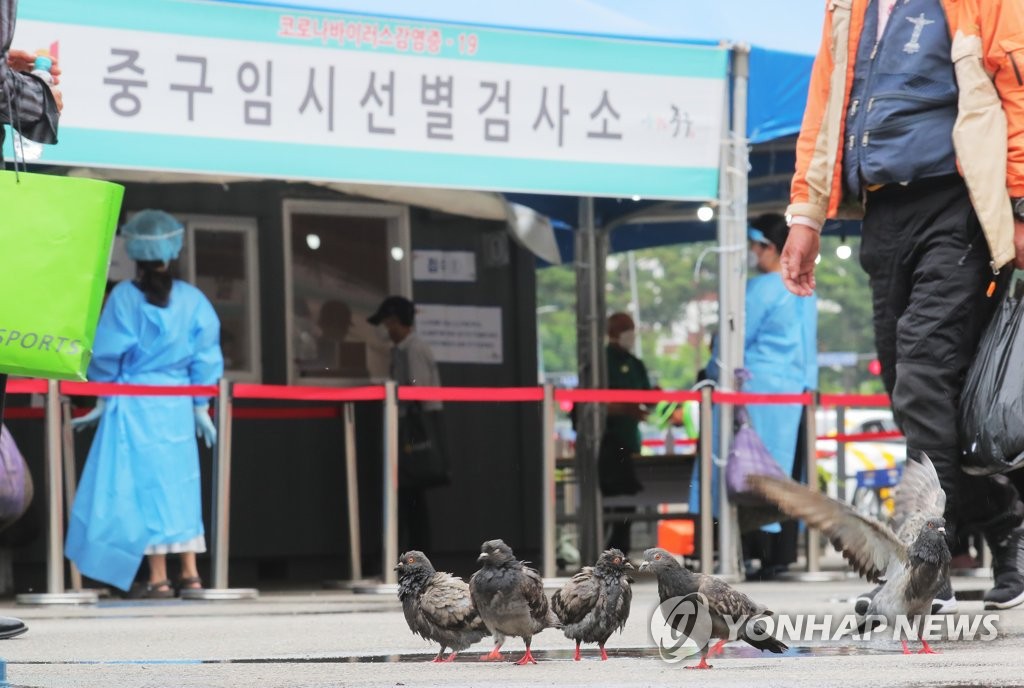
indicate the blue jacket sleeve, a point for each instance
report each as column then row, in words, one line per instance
column 116, row 335
column 207, row 364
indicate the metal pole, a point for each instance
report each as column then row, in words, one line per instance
column 840, row 454
column 634, row 295
column 390, row 495
column 591, row 364
column 548, row 483
column 707, row 545
column 732, row 225
column 352, row 493
column 222, row 487
column 68, row 457
column 811, row 470
column 221, row 508
column 55, row 593
column 54, row 487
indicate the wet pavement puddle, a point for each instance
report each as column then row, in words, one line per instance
column 474, row 657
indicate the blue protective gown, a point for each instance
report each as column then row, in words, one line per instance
column 140, row 486
column 781, row 353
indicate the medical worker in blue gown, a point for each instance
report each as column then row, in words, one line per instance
column 780, row 352
column 140, row 490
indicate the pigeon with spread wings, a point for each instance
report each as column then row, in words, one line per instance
column 909, row 557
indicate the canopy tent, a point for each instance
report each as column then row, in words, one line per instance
column 770, row 108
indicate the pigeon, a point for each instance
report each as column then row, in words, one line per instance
column 909, row 557
column 510, row 598
column 595, row 602
column 437, row 605
column 723, row 602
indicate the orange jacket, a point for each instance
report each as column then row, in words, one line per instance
column 988, row 58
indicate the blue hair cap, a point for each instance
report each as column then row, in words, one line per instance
column 153, row 235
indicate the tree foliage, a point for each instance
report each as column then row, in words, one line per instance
column 672, row 298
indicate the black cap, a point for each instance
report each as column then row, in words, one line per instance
column 398, row 306
column 773, row 227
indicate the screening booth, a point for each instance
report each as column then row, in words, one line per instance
column 319, row 158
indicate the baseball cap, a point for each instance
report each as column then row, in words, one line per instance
column 398, row 306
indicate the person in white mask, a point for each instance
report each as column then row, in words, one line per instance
column 780, row 352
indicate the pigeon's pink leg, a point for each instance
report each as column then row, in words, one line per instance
column 906, row 650
column 438, row 660
column 717, row 648
column 604, row 655
column 527, row 658
column 450, row 658
column 492, row 656
column 926, row 649
column 703, row 664
column 576, row 657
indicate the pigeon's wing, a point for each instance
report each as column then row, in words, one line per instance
column 919, row 497
column 724, row 600
column 869, row 545
column 532, row 588
column 447, row 604
column 577, row 597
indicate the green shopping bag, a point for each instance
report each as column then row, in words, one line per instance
column 56, row 235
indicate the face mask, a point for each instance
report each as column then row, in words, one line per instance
column 752, row 263
column 382, row 333
column 627, row 339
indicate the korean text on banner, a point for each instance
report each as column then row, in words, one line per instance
column 260, row 92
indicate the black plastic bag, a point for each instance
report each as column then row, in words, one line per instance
column 422, row 460
column 992, row 401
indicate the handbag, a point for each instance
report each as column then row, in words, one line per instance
column 422, row 461
column 991, row 419
column 748, row 456
column 56, row 237
column 16, row 487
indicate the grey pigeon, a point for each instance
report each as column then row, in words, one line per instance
column 909, row 556
column 722, row 602
column 595, row 602
column 510, row 598
column 437, row 605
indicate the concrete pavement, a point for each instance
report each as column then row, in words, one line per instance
column 319, row 638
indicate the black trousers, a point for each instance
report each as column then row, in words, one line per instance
column 933, row 292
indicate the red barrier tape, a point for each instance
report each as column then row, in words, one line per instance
column 314, row 412
column 747, row 398
column 471, row 393
column 26, row 386
column 661, row 443
column 283, row 393
column 865, row 436
column 623, row 396
column 111, row 389
column 23, row 413
column 855, row 400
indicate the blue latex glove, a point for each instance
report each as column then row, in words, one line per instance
column 204, row 426
column 90, row 419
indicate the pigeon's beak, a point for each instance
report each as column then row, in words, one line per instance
column 629, row 565
column 483, row 557
column 644, row 565
column 398, row 567
column 942, row 529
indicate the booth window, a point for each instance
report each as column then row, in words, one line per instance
column 220, row 258
column 341, row 260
